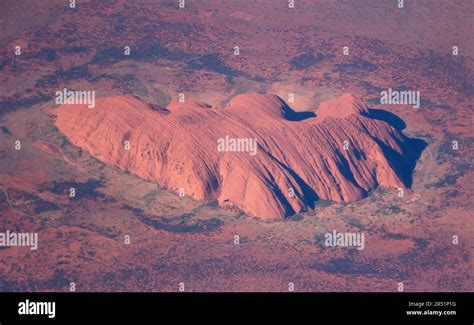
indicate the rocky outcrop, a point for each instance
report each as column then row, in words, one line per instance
column 340, row 153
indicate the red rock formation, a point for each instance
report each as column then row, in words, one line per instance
column 178, row 149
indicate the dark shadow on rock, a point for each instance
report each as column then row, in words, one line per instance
column 308, row 195
column 295, row 116
column 404, row 165
column 298, row 116
column 388, row 117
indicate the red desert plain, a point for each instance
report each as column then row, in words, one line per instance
column 236, row 146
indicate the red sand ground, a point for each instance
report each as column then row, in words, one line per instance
column 408, row 239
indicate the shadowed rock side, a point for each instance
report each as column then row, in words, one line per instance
column 177, row 148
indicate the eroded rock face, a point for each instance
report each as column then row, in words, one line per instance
column 340, row 154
